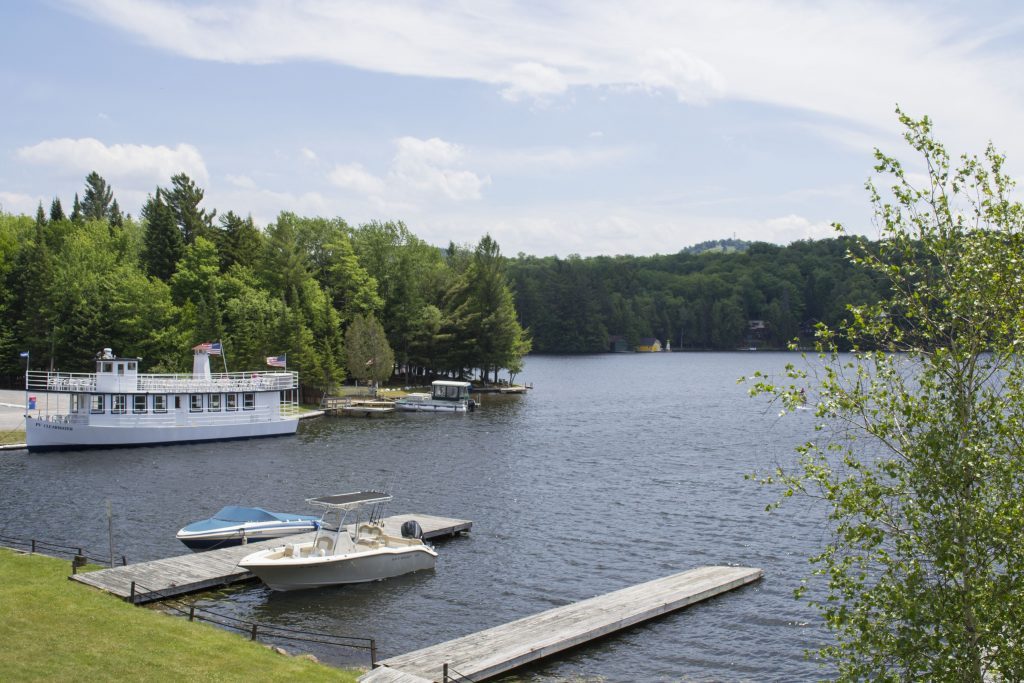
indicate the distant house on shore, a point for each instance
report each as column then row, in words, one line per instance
column 618, row 344
column 648, row 345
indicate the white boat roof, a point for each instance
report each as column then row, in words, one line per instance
column 449, row 383
column 346, row 501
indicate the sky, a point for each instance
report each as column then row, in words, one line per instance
column 557, row 127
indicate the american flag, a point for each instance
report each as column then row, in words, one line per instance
column 212, row 348
column 278, row 361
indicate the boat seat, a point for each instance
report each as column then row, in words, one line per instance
column 326, row 544
column 289, row 550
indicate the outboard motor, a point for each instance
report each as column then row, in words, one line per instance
column 411, row 529
column 471, row 405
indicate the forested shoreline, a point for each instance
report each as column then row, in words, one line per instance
column 338, row 301
column 370, row 301
column 749, row 295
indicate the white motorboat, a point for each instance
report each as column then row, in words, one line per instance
column 119, row 406
column 235, row 525
column 344, row 549
column 445, row 396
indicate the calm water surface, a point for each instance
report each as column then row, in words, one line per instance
column 614, row 470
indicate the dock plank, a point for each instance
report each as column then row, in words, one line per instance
column 173, row 576
column 494, row 651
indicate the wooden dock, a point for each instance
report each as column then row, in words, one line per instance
column 494, row 651
column 193, row 572
column 356, row 407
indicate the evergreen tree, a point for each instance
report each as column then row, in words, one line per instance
column 76, row 211
column 40, row 215
column 163, row 246
column 184, row 198
column 240, row 241
column 56, row 211
column 116, row 218
column 97, row 199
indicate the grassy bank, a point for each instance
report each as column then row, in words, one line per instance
column 12, row 436
column 55, row 629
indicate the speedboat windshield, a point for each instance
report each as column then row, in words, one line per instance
column 237, row 513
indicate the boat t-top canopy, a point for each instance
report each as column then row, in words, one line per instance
column 348, row 501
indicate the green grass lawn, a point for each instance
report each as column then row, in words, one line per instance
column 12, row 436
column 54, row 629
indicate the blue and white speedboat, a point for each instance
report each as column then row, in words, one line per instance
column 235, row 525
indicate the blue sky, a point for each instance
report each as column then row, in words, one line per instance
column 557, row 127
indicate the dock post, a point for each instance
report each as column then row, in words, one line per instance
column 131, row 596
column 191, row 612
column 373, row 653
column 444, row 672
column 33, row 551
column 253, row 636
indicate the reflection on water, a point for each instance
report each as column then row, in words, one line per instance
column 614, row 470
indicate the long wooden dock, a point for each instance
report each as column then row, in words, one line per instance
column 494, row 651
column 175, row 576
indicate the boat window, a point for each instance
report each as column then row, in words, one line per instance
column 117, row 403
column 120, row 368
column 139, row 403
column 108, row 367
column 249, row 401
column 97, row 403
column 213, row 403
column 131, row 366
column 177, row 402
column 74, row 403
column 160, row 404
column 231, row 401
column 195, row 403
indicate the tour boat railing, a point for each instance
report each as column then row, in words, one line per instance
column 168, row 383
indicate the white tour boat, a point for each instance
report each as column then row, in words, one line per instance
column 118, row 406
column 445, row 396
column 343, row 550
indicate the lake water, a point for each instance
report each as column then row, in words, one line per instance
column 614, row 470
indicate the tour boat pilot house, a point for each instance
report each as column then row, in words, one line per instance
column 118, row 406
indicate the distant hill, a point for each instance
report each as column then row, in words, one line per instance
column 720, row 246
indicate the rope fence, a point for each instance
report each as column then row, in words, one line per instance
column 35, row 546
column 255, row 630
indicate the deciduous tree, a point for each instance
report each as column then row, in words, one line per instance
column 920, row 454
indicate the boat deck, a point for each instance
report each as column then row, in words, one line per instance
column 488, row 653
column 173, row 576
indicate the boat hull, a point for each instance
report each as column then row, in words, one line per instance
column 432, row 407
column 237, row 536
column 47, row 435
column 302, row 573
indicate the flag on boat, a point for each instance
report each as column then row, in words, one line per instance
column 23, row 354
column 278, row 361
column 212, row 348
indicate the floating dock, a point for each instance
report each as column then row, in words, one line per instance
column 356, row 407
column 193, row 572
column 488, row 653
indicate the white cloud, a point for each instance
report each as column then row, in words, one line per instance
column 430, row 166
column 786, row 229
column 356, row 178
column 532, row 80
column 242, row 181
column 849, row 60
column 135, row 163
column 421, row 170
column 18, row 203
column 308, row 154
